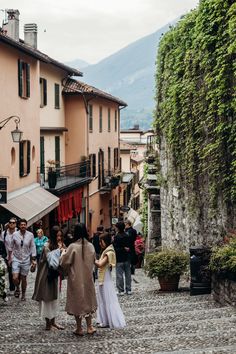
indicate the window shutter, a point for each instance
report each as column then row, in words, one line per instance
column 44, row 92
column 94, row 165
column 27, row 67
column 20, row 78
column 57, row 150
column 21, row 158
column 57, row 97
column 28, row 156
column 42, row 155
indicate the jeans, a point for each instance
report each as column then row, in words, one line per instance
column 123, row 268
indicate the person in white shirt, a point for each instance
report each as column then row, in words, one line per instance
column 23, row 256
column 7, row 238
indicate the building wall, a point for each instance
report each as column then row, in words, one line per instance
column 51, row 116
column 125, row 161
column 26, row 109
column 76, row 136
column 102, row 140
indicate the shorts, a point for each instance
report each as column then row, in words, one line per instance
column 20, row 267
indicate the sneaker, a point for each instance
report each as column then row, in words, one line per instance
column 129, row 292
column 121, row 293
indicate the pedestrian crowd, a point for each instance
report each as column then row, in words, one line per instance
column 86, row 264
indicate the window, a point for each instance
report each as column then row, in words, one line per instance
column 24, row 157
column 100, row 119
column 109, row 119
column 116, row 121
column 92, row 159
column 116, row 158
column 23, row 79
column 57, row 96
column 43, row 92
column 90, row 108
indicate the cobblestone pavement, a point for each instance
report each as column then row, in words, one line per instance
column 156, row 323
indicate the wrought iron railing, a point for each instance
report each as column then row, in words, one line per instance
column 56, row 177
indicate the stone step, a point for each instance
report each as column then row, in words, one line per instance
column 144, row 344
column 160, row 299
column 229, row 349
column 193, row 315
column 36, row 330
column 180, row 307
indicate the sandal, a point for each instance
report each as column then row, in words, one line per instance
column 91, row 330
column 79, row 333
column 17, row 293
column 57, row 326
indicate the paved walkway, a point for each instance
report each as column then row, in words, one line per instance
column 156, row 323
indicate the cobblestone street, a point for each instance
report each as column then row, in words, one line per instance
column 156, row 323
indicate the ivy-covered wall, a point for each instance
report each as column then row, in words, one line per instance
column 196, row 123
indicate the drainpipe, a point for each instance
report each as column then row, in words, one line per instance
column 119, row 156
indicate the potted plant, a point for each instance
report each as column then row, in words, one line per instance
column 52, row 174
column 167, row 265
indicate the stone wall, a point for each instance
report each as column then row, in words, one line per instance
column 154, row 223
column 186, row 216
column 224, row 291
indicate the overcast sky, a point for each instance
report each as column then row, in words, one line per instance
column 93, row 29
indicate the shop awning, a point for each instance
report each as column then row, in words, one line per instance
column 31, row 203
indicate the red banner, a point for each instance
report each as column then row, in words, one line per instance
column 70, row 205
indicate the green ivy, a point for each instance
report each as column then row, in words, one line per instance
column 196, row 99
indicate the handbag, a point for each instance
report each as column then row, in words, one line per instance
column 53, row 259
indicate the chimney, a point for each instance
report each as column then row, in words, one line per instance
column 11, row 27
column 30, row 34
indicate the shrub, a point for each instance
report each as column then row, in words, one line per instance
column 166, row 263
column 223, row 258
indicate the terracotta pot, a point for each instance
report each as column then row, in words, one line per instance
column 170, row 283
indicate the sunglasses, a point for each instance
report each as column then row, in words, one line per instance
column 12, row 222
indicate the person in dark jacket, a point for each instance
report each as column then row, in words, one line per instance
column 123, row 269
column 132, row 233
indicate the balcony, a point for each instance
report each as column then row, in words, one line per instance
column 109, row 180
column 64, row 178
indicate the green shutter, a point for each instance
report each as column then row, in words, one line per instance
column 28, row 156
column 57, row 150
column 45, row 92
column 27, row 68
column 21, row 158
column 42, row 156
column 94, row 165
column 57, row 96
column 20, row 78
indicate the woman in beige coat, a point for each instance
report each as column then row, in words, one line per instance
column 78, row 262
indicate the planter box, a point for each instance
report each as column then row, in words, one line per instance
column 224, row 288
column 170, row 283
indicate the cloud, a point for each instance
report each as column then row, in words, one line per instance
column 92, row 29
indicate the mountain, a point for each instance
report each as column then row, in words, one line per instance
column 130, row 75
column 77, row 64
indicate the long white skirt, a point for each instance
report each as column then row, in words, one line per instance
column 109, row 310
column 50, row 309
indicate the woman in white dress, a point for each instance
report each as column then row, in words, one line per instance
column 46, row 289
column 109, row 310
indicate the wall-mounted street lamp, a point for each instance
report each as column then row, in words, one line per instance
column 16, row 133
